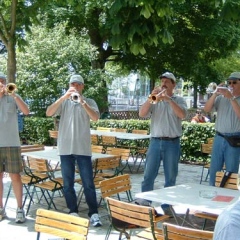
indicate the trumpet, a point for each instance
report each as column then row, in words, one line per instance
column 11, row 88
column 153, row 97
column 75, row 97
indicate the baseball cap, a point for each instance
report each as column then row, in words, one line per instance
column 168, row 75
column 234, row 76
column 2, row 76
column 76, row 78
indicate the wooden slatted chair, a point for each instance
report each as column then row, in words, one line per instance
column 94, row 139
column 108, row 141
column 50, row 185
column 104, row 168
column 206, row 149
column 61, row 225
column 104, row 129
column 172, row 231
column 97, row 148
column 140, row 150
column 232, row 183
column 28, row 180
column 116, row 185
column 126, row 216
column 119, row 130
column 32, row 148
column 53, row 134
column 125, row 155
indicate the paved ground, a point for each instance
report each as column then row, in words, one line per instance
column 12, row 231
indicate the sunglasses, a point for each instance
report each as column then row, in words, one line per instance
column 199, row 112
column 232, row 82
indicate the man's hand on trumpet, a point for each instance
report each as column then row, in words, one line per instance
column 159, row 94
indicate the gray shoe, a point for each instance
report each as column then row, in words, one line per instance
column 95, row 221
column 20, row 216
column 2, row 214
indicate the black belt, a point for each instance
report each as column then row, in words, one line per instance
column 166, row 138
column 218, row 133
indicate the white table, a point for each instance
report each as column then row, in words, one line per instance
column 121, row 135
column 53, row 155
column 187, row 195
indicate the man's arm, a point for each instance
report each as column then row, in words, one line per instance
column 23, row 107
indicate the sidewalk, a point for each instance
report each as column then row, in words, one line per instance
column 12, row 231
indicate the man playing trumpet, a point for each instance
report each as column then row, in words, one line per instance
column 166, row 115
column 10, row 155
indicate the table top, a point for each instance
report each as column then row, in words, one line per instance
column 187, row 195
column 121, row 135
column 52, row 154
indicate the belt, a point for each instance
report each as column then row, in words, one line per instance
column 218, row 133
column 166, row 138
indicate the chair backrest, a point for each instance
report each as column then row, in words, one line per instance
column 61, row 225
column 107, row 163
column 104, row 129
column 210, row 140
column 123, row 152
column 206, row 148
column 232, row 181
column 119, row 130
column 139, row 131
column 53, row 133
column 32, row 148
column 38, row 165
column 97, row 148
column 116, row 185
column 109, row 141
column 141, row 216
column 172, row 231
column 94, row 139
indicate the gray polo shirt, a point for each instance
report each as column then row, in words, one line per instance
column 227, row 120
column 164, row 122
column 74, row 128
column 8, row 122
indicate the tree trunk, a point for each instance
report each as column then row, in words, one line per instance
column 11, row 61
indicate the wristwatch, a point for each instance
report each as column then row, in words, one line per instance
column 232, row 98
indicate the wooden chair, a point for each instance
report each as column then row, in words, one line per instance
column 97, row 148
column 32, row 148
column 119, row 130
column 172, row 231
column 108, row 141
column 104, row 129
column 140, row 150
column 104, row 168
column 116, row 185
column 232, row 183
column 206, row 149
column 53, row 134
column 126, row 216
column 124, row 153
column 61, row 225
column 94, row 139
column 50, row 185
column 28, row 180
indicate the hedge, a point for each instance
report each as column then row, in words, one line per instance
column 36, row 131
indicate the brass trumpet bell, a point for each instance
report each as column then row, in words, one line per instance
column 153, row 98
column 11, row 88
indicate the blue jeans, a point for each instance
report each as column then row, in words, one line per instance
column 222, row 153
column 68, row 163
column 169, row 153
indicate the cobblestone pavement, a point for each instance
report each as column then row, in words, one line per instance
column 12, row 231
